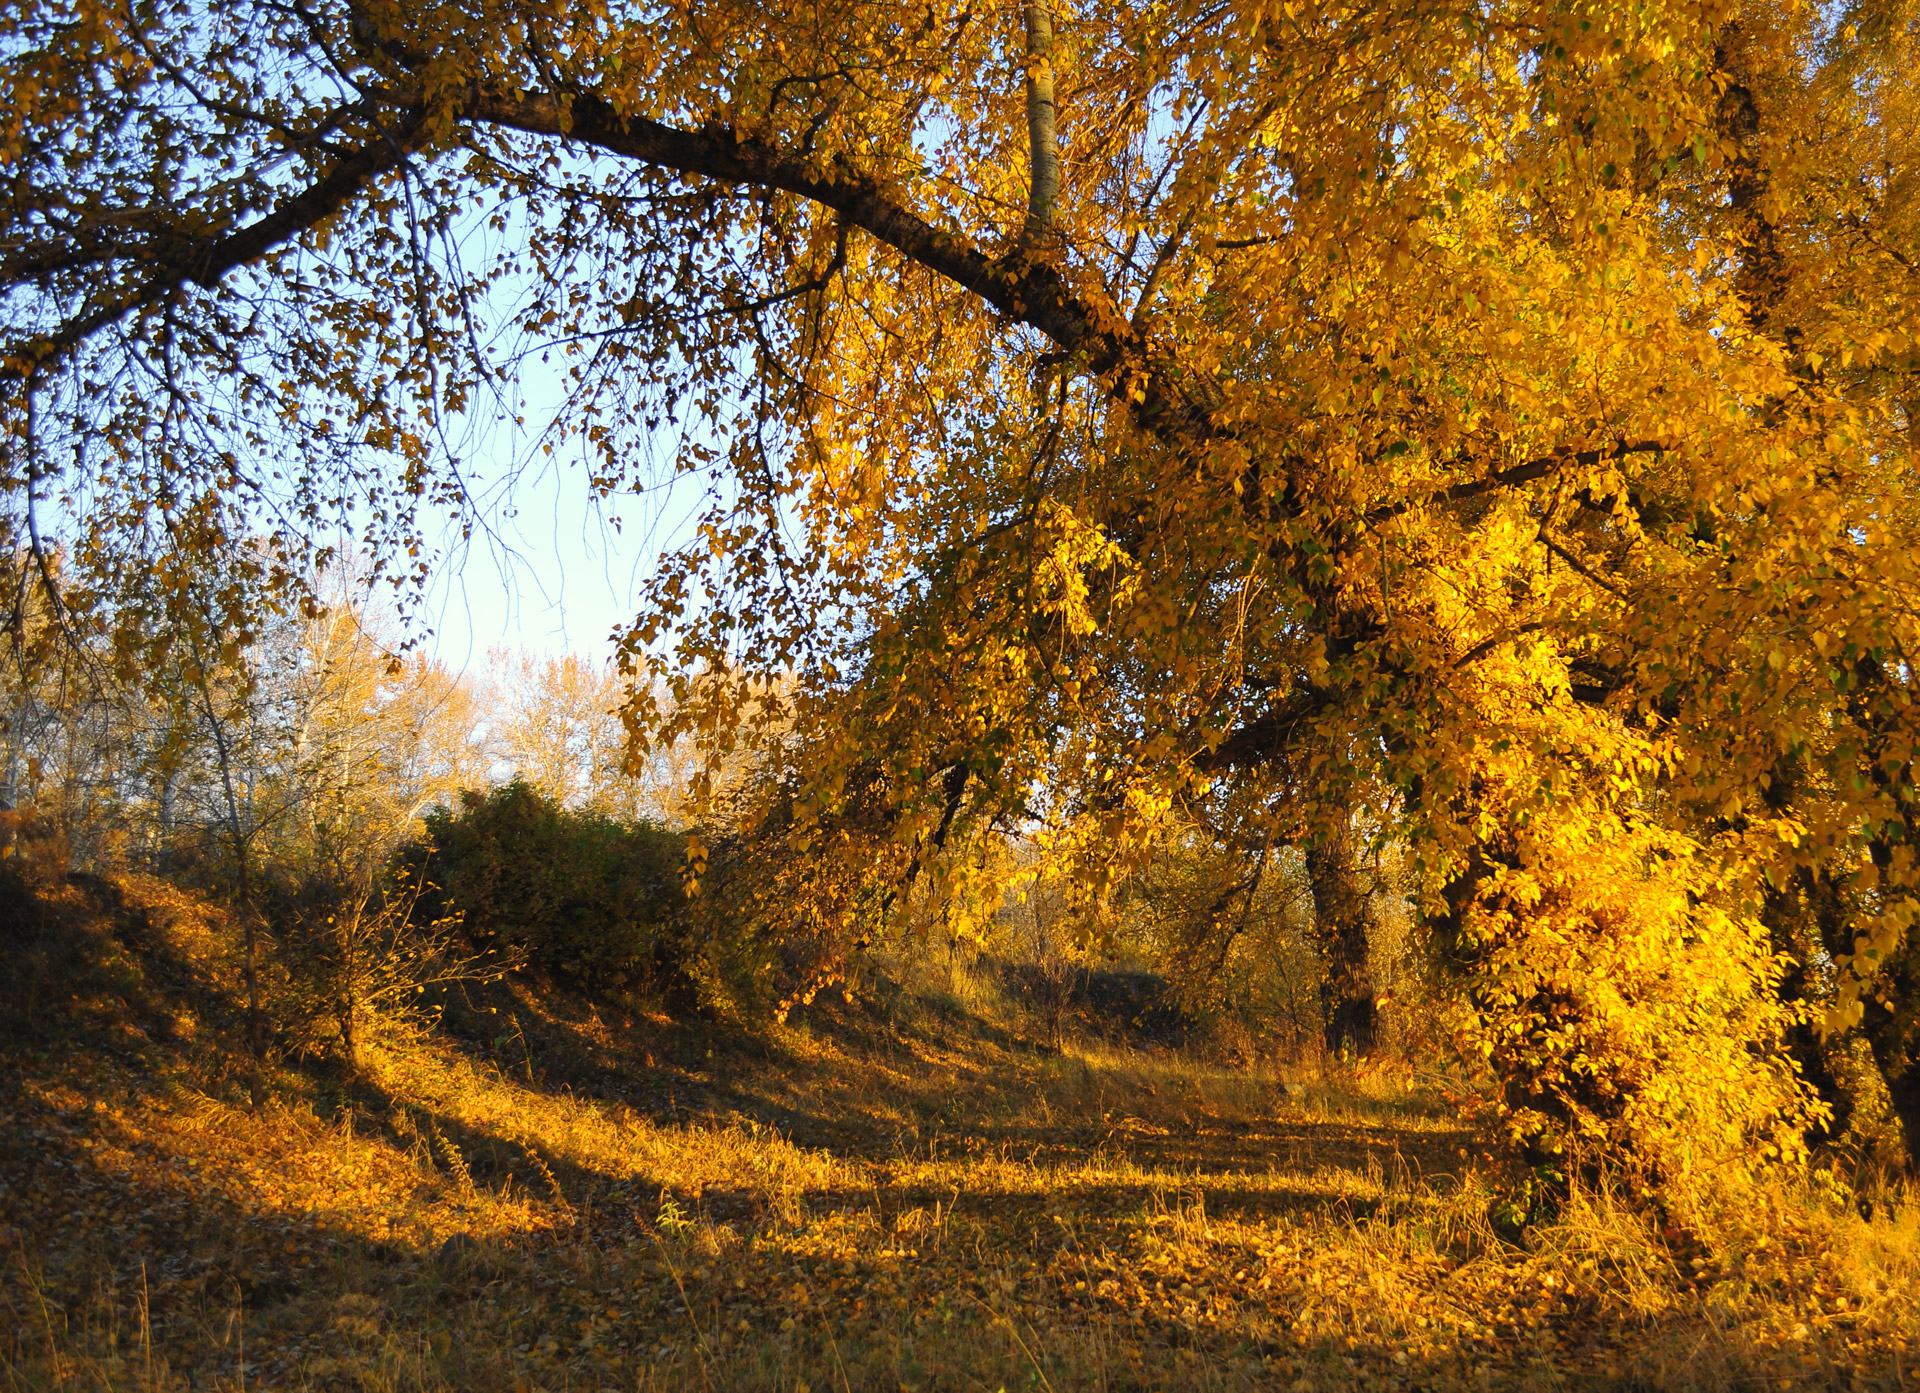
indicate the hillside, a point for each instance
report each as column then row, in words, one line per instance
column 533, row 1193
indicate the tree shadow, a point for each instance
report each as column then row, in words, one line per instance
column 92, row 1210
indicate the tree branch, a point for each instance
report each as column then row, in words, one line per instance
column 205, row 263
column 1265, row 737
column 1519, row 474
column 1022, row 288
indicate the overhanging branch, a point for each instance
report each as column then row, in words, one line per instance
column 1024, row 289
column 206, row 263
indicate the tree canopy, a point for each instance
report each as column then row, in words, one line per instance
column 1496, row 414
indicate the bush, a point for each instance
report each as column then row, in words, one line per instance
column 356, row 955
column 583, row 896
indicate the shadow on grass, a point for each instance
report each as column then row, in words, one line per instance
column 95, row 1211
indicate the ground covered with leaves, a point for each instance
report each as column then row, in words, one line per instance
column 541, row 1195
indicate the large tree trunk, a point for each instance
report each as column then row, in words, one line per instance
column 1801, row 922
column 1805, row 919
column 1891, row 1019
column 1340, row 917
column 1892, row 1028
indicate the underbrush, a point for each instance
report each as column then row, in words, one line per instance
column 875, row 1196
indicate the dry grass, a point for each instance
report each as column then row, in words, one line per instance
column 930, row 1203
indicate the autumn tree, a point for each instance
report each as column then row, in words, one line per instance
column 1501, row 404
column 375, row 739
column 284, row 770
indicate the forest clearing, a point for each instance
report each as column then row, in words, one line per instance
column 1050, row 694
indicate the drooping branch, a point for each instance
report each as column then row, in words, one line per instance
column 1023, row 289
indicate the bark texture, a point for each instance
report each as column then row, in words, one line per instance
column 1043, row 144
column 1340, row 915
column 1892, row 1028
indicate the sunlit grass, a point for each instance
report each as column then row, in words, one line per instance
column 936, row 1204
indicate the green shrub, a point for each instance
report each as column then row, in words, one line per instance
column 583, row 896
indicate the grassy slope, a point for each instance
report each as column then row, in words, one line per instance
column 556, row 1199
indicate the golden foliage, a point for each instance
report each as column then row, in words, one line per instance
column 1500, row 411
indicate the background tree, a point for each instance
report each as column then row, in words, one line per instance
column 556, row 723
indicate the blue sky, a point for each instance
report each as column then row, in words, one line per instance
column 556, row 577
column 549, row 568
